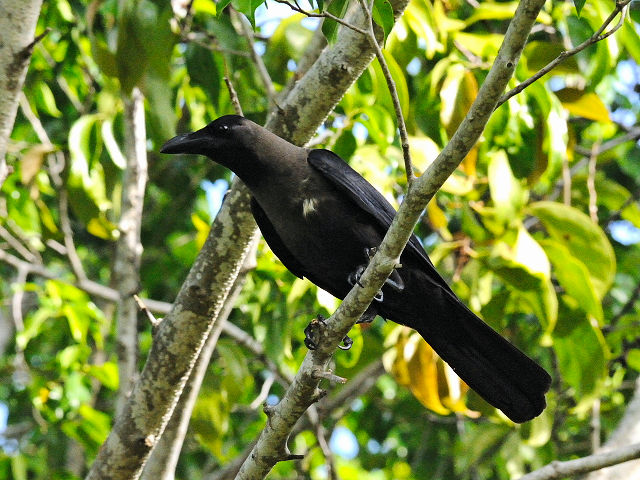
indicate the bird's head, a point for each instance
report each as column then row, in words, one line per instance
column 224, row 139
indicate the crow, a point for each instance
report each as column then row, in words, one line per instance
column 322, row 219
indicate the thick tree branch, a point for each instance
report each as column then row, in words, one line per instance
column 17, row 24
column 126, row 265
column 178, row 341
column 558, row 470
column 164, row 458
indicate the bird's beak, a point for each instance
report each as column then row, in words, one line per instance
column 195, row 142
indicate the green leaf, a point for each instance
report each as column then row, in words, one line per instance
column 500, row 11
column 107, row 374
column 539, row 53
column 112, row 145
column 329, row 27
column 104, row 58
column 222, row 5
column 631, row 38
column 45, row 100
column 526, row 267
column 209, row 6
column 299, row 287
column 236, row 377
column 506, row 192
column 583, row 238
column 86, row 177
column 580, row 349
column 383, row 16
column 78, row 324
column 380, row 89
column 248, row 7
column 574, row 277
column 633, row 359
column 419, row 18
column 579, row 4
column 75, row 389
column 73, row 354
column 131, row 55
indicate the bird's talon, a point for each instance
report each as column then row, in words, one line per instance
column 311, row 332
column 347, row 343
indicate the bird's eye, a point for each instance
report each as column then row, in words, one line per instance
column 223, row 130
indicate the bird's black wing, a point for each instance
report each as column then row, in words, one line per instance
column 366, row 197
column 275, row 242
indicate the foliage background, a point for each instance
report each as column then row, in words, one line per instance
column 537, row 232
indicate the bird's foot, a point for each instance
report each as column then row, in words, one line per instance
column 312, row 332
column 346, row 343
column 368, row 316
column 394, row 281
column 312, row 335
column 354, row 278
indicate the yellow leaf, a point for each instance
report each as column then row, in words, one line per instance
column 414, row 364
column 436, row 216
column 32, row 160
column 202, row 228
column 458, row 92
column 583, row 104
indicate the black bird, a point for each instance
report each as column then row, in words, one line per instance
column 319, row 216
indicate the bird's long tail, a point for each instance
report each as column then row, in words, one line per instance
column 499, row 372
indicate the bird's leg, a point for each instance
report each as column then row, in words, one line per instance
column 368, row 316
column 312, row 333
column 394, row 281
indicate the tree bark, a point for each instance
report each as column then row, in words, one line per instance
column 126, row 266
column 164, row 458
column 17, row 24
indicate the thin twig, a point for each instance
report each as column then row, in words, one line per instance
column 264, row 391
column 144, row 309
column 321, row 435
column 16, row 245
column 596, row 37
column 324, row 14
column 393, row 91
column 63, row 203
column 591, row 183
column 566, row 181
column 247, row 32
column 232, row 93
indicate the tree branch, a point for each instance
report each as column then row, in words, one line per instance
column 596, row 37
column 557, row 470
column 126, row 265
column 393, row 91
column 18, row 24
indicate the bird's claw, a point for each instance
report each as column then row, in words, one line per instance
column 354, row 277
column 347, row 343
column 311, row 332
